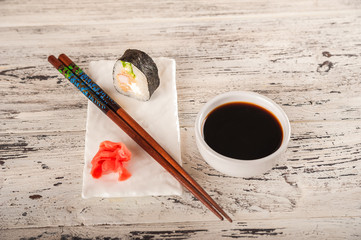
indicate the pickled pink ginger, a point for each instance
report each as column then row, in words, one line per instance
column 112, row 157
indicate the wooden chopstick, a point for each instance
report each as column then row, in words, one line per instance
column 92, row 96
column 123, row 114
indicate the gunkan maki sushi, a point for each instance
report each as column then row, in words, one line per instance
column 136, row 75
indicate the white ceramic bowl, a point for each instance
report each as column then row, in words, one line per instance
column 236, row 167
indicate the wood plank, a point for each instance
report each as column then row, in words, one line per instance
column 41, row 178
column 224, row 55
column 314, row 228
column 35, row 12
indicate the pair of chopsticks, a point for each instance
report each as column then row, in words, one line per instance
column 118, row 115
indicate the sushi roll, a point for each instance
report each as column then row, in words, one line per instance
column 136, row 75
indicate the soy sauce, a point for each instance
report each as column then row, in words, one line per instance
column 242, row 130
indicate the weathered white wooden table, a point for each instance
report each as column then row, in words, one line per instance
column 305, row 55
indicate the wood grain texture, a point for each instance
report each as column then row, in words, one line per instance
column 15, row 13
column 304, row 55
column 319, row 228
column 314, row 169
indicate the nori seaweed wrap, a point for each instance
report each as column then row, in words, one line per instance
column 136, row 75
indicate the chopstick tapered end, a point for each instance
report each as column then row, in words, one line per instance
column 229, row 219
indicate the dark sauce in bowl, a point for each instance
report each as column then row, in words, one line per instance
column 242, row 130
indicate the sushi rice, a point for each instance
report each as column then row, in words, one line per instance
column 130, row 81
column 136, row 75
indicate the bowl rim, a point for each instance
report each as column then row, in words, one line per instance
column 199, row 123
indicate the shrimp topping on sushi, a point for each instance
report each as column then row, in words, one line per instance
column 126, row 79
